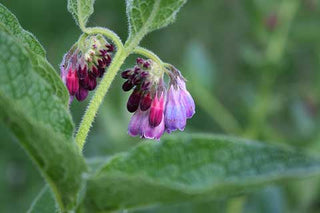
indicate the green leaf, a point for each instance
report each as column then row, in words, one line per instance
column 149, row 15
column 81, row 10
column 43, row 203
column 48, row 73
column 10, row 24
column 37, row 117
column 192, row 167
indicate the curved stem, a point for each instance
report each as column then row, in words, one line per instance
column 106, row 32
column 97, row 99
column 148, row 54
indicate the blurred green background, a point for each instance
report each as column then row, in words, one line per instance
column 253, row 69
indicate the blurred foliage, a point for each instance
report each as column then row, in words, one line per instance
column 253, row 68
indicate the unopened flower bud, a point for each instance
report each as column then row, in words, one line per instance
column 156, row 111
column 127, row 86
column 72, row 81
column 81, row 94
column 146, row 102
column 133, row 101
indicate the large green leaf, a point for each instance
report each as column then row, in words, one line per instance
column 41, row 122
column 185, row 168
column 10, row 24
column 148, row 15
column 81, row 10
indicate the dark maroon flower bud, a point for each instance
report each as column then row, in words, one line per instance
column 95, row 71
column 133, row 101
column 145, row 85
column 81, row 94
column 103, row 53
column 144, row 74
column 146, row 64
column 126, row 74
column 140, row 61
column 126, row 86
column 137, row 70
column 101, row 63
column 137, row 80
column 107, row 59
column 146, row 102
column 72, row 81
column 110, row 47
column 101, row 72
column 82, row 72
column 89, row 83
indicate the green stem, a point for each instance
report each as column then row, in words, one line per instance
column 148, row 54
column 97, row 99
column 106, row 32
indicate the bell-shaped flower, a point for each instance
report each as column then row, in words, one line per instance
column 175, row 113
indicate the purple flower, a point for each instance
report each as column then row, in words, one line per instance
column 150, row 132
column 140, row 126
column 186, row 99
column 175, row 114
column 160, row 109
column 134, row 128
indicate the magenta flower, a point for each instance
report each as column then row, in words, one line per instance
column 72, row 81
column 155, row 108
column 81, row 68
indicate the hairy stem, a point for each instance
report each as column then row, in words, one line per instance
column 97, row 99
column 148, row 54
column 106, row 32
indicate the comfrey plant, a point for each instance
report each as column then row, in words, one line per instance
column 186, row 168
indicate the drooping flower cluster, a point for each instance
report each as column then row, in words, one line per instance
column 81, row 67
column 157, row 108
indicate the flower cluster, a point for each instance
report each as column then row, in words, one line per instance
column 157, row 107
column 81, row 67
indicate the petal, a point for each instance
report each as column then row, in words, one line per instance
column 134, row 127
column 175, row 113
column 188, row 103
column 152, row 132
